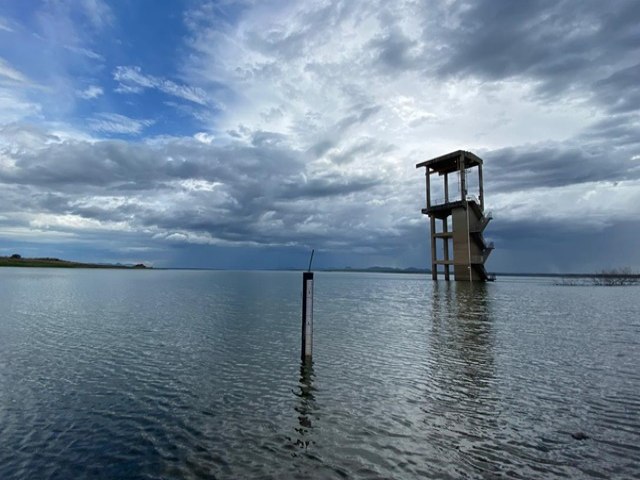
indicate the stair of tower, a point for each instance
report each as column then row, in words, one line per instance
column 484, row 218
column 482, row 224
column 484, row 275
column 486, row 247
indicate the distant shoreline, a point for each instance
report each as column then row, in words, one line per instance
column 58, row 263
column 388, row 270
column 14, row 261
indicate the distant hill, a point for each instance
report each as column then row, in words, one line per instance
column 19, row 261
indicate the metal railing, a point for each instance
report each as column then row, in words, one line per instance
column 441, row 200
column 438, row 201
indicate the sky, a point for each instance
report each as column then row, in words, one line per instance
column 243, row 134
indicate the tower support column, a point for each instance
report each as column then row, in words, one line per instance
column 445, row 238
column 434, row 267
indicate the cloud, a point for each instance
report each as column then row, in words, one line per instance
column 455, row 75
column 69, row 25
column 116, row 123
column 97, row 12
column 132, row 80
column 619, row 130
column 234, row 194
column 204, row 137
column 22, row 137
column 10, row 73
column 551, row 165
column 16, row 107
column 5, row 25
column 394, row 50
column 48, row 58
column 86, row 52
column 620, row 91
column 311, row 118
column 91, row 92
column 15, row 103
column 566, row 50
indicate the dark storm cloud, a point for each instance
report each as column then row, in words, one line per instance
column 260, row 193
column 360, row 114
column 333, row 135
column 364, row 147
column 112, row 162
column 267, row 169
column 618, row 130
column 620, row 91
column 528, row 245
column 562, row 44
column 329, row 185
column 498, row 39
column 90, row 165
column 556, row 165
column 566, row 49
column 393, row 50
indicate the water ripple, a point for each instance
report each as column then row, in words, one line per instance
column 169, row 374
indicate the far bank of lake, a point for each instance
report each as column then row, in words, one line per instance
column 47, row 262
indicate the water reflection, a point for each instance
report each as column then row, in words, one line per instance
column 463, row 407
column 306, row 407
column 462, row 336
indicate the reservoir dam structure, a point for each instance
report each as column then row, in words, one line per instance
column 457, row 217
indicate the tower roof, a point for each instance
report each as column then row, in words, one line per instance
column 449, row 162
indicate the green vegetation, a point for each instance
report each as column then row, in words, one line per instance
column 17, row 260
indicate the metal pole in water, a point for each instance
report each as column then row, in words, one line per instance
column 307, row 313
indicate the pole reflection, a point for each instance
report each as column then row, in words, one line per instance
column 306, row 407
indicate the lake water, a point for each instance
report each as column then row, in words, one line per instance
column 196, row 374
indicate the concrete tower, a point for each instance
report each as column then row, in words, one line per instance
column 458, row 220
